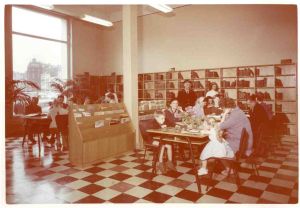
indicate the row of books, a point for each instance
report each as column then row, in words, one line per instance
column 111, row 121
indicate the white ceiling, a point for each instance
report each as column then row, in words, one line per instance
column 112, row 13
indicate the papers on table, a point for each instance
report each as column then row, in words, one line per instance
column 99, row 123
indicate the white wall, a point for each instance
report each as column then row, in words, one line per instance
column 204, row 36
column 87, row 48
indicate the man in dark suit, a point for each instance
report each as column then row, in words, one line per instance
column 258, row 117
column 186, row 97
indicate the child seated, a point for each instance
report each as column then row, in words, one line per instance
column 157, row 123
column 216, row 147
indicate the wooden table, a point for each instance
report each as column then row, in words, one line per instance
column 173, row 136
column 40, row 122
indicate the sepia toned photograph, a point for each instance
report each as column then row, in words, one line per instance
column 150, row 103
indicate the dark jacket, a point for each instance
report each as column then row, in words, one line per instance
column 32, row 108
column 170, row 119
column 258, row 116
column 212, row 110
column 185, row 99
column 144, row 125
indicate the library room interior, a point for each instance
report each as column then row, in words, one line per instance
column 151, row 103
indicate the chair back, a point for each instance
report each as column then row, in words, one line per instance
column 144, row 125
column 62, row 124
column 243, row 145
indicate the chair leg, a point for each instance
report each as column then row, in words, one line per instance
column 145, row 152
column 236, row 174
column 211, row 173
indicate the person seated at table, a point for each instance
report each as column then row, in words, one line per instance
column 157, row 123
column 198, row 109
column 113, row 98
column 173, row 113
column 233, row 122
column 33, row 107
column 213, row 92
column 216, row 147
column 60, row 100
column 258, row 117
column 87, row 100
column 209, row 108
column 55, row 110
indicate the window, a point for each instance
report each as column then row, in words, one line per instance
column 40, row 51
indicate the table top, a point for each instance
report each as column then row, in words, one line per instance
column 34, row 116
column 179, row 137
column 174, row 132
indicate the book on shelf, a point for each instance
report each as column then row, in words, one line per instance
column 278, row 71
column 194, row 75
column 278, row 107
column 243, row 83
column 261, row 83
column 243, row 95
column 278, row 83
column 278, row 95
column 198, row 84
column 246, row 72
column 170, row 85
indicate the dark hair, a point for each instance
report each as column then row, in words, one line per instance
column 227, row 103
column 170, row 101
column 189, row 81
column 213, row 83
column 252, row 98
column 259, row 97
column 61, row 96
column 111, row 96
column 207, row 98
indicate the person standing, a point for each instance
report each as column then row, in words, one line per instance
column 187, row 97
column 258, row 117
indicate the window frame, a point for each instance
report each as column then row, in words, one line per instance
column 9, row 37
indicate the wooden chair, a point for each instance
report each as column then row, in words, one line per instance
column 144, row 125
column 234, row 163
column 62, row 128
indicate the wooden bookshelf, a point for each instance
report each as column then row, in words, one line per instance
column 235, row 82
column 88, row 144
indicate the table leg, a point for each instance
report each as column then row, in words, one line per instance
column 39, row 143
column 194, row 165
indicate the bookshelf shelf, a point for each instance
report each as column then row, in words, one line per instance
column 234, row 80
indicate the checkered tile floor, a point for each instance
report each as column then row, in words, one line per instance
column 126, row 179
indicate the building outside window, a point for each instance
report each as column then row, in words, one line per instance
column 40, row 51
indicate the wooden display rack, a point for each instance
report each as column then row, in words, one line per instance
column 89, row 145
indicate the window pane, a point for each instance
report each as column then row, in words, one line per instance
column 39, row 24
column 39, row 61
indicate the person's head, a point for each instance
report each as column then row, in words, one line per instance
column 34, row 100
column 227, row 103
column 110, row 96
column 209, row 101
column 55, row 103
column 200, row 101
column 214, row 86
column 187, row 84
column 251, row 101
column 174, row 104
column 259, row 97
column 159, row 117
column 87, row 100
column 60, row 99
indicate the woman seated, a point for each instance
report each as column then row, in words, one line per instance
column 209, row 108
column 216, row 147
column 157, row 123
column 233, row 122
